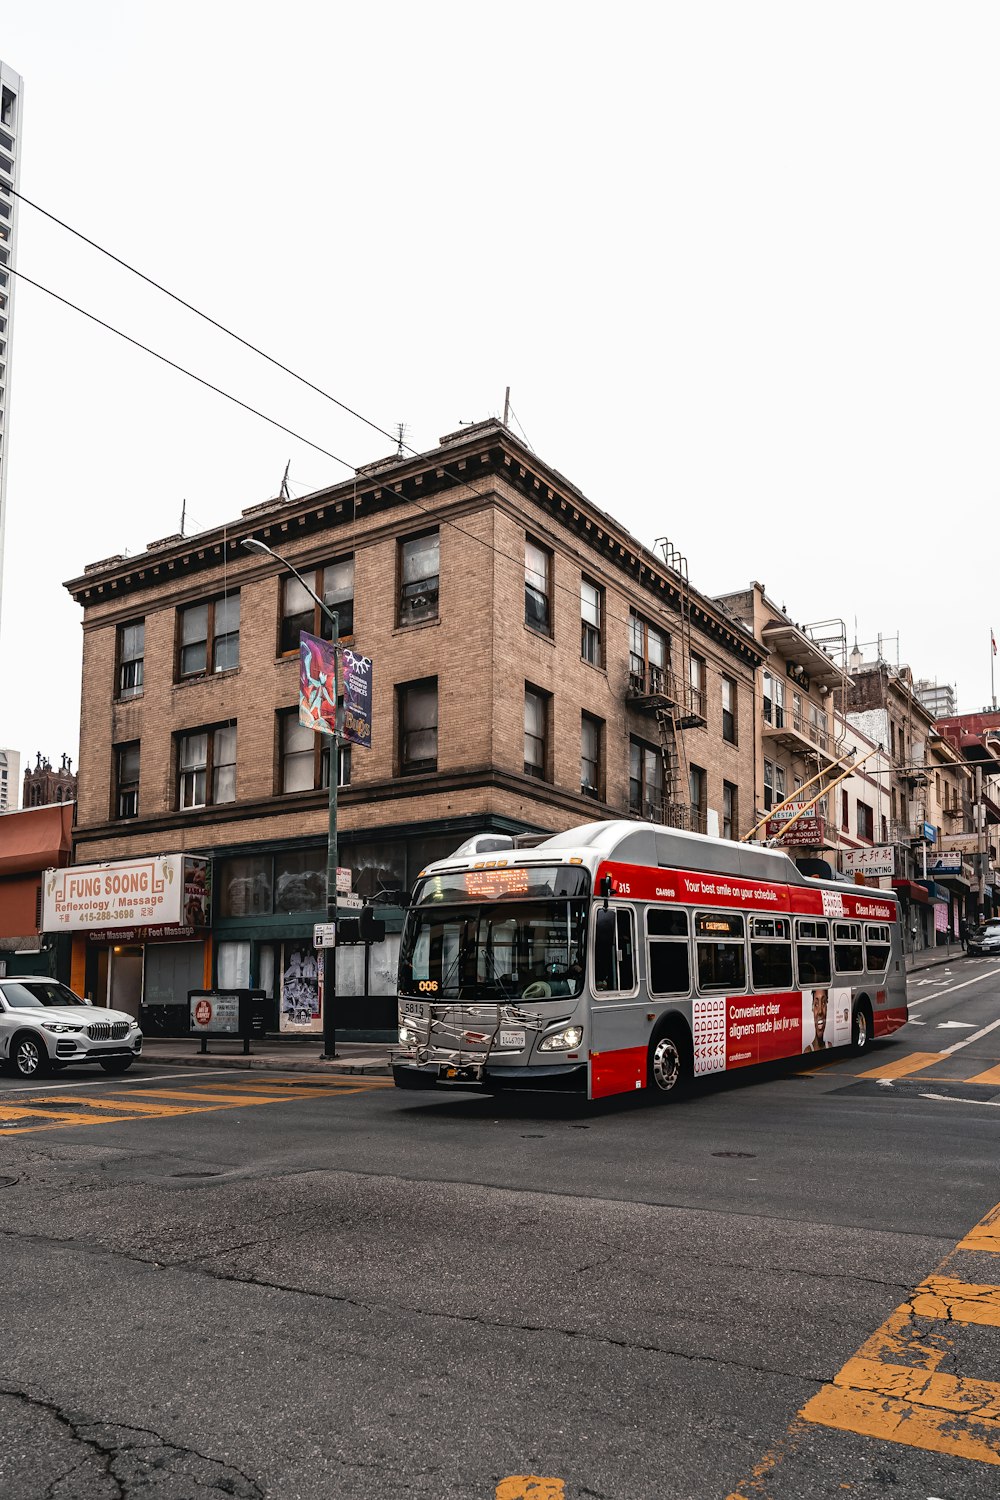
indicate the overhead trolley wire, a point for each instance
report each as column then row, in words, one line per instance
column 270, row 359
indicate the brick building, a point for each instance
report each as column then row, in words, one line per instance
column 928, row 793
column 798, row 690
column 534, row 667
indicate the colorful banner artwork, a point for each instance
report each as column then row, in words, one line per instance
column 357, row 687
column 317, row 684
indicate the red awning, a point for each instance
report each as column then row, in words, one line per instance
column 36, row 839
column 910, row 891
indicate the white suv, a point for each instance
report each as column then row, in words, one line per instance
column 44, row 1025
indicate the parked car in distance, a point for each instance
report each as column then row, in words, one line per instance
column 984, row 939
column 44, row 1025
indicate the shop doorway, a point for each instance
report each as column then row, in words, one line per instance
column 125, row 980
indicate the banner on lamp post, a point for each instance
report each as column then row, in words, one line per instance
column 357, row 688
column 317, row 684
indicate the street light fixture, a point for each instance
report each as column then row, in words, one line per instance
column 254, row 544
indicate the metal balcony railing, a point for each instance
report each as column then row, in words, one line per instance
column 670, row 814
column 780, row 717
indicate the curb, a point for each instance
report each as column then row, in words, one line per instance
column 934, row 963
column 272, row 1064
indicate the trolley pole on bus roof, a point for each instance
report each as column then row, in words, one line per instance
column 796, row 796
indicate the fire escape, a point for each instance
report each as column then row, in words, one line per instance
column 676, row 700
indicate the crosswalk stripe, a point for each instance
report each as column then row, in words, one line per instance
column 873, row 1414
column 203, row 1097
column 985, row 1236
column 957, row 1301
column 129, row 1106
column 992, row 1075
column 913, row 1062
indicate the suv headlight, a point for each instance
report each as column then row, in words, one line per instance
column 562, row 1041
column 59, row 1026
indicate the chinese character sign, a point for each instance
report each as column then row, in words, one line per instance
column 357, row 680
column 317, row 684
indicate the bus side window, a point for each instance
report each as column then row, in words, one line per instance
column 721, row 951
column 770, row 953
column 669, row 964
column 812, row 953
column 847, row 954
column 614, row 950
column 877, row 947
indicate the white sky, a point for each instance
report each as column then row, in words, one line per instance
column 738, row 263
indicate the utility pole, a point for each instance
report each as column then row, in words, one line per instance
column 980, row 845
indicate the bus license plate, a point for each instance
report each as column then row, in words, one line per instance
column 512, row 1039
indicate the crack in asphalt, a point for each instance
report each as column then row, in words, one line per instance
column 194, row 1266
column 100, row 1440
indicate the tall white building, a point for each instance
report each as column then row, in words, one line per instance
column 10, row 780
column 11, row 105
column 937, row 697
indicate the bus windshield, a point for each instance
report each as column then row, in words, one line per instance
column 506, row 950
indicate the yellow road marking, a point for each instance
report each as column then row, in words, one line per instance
column 873, row 1414
column 892, row 1388
column 959, row 1301
column 986, row 1235
column 164, row 1103
column 25, row 1112
column 530, row 1487
column 992, row 1075
column 913, row 1062
column 128, row 1105
column 220, row 1101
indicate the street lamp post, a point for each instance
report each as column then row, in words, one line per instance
column 253, row 544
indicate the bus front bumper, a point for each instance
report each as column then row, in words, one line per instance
column 487, row 1077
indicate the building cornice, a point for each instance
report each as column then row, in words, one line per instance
column 487, row 451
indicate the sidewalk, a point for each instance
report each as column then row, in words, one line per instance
column 929, row 957
column 292, row 1056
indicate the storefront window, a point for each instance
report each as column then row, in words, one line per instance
column 234, row 966
column 244, row 886
column 300, row 880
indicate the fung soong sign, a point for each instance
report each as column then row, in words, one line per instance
column 126, row 893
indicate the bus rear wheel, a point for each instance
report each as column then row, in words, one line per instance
column 668, row 1069
column 861, row 1028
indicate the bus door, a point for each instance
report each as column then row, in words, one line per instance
column 617, row 1064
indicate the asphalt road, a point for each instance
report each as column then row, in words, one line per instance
column 258, row 1285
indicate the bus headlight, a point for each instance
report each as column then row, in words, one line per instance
column 407, row 1035
column 562, row 1041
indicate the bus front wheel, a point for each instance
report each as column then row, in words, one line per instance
column 668, row 1071
column 861, row 1028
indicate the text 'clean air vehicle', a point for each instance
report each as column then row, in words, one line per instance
column 621, row 956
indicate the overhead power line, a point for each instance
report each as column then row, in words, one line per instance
column 181, row 369
column 207, row 318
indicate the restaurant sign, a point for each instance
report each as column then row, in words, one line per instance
column 161, row 890
column 808, row 831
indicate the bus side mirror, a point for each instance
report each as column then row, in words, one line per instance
column 605, row 948
column 606, row 889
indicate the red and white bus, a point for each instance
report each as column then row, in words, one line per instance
column 622, row 955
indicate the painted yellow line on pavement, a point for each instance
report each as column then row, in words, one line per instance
column 25, row 1112
column 992, row 1075
column 530, row 1487
column 874, row 1414
column 220, row 1101
column 892, row 1388
column 913, row 1062
column 129, row 1106
column 986, row 1235
column 958, row 1301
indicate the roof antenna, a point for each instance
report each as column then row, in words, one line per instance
column 285, row 493
column 506, row 406
column 400, row 438
column 184, row 506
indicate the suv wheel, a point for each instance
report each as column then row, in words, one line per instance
column 28, row 1055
